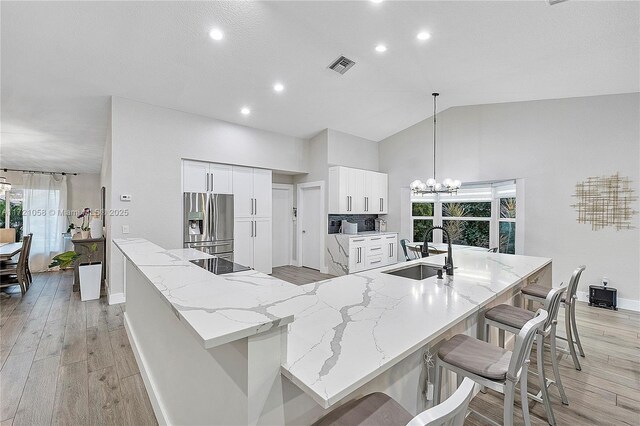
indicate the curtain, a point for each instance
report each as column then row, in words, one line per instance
column 44, row 206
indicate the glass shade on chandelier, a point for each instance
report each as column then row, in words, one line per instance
column 431, row 186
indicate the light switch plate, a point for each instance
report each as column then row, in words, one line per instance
column 125, row 229
column 125, row 197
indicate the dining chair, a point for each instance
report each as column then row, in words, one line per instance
column 512, row 319
column 17, row 274
column 537, row 293
column 380, row 409
column 403, row 244
column 493, row 250
column 26, row 247
column 492, row 366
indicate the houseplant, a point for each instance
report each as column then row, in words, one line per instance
column 90, row 272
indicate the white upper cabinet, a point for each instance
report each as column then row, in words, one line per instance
column 252, row 192
column 198, row 176
column 355, row 191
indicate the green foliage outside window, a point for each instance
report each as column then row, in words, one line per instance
column 467, row 232
column 420, row 226
column 469, row 209
column 508, row 208
column 15, row 218
column 507, row 237
column 421, row 209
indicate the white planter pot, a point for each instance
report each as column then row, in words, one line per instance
column 84, row 235
column 90, row 277
column 96, row 228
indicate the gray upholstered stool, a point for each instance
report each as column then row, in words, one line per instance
column 492, row 366
column 378, row 409
column 512, row 319
column 538, row 293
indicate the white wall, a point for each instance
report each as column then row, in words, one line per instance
column 552, row 145
column 148, row 143
column 351, row 151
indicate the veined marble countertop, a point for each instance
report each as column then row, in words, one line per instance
column 217, row 308
column 359, row 325
column 347, row 330
column 365, row 234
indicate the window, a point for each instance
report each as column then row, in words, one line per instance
column 507, row 225
column 482, row 215
column 15, row 211
column 421, row 219
column 468, row 223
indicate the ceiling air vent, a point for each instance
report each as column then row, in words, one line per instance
column 341, row 65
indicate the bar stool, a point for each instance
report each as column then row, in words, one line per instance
column 379, row 409
column 492, row 366
column 538, row 293
column 512, row 319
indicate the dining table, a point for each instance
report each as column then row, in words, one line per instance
column 8, row 250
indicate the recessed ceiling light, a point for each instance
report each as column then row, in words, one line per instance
column 376, row 1
column 423, row 35
column 381, row 48
column 245, row 111
column 278, row 87
column 216, row 34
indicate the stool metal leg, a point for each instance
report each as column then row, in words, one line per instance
column 554, row 363
column 568, row 329
column 501, row 337
column 437, row 383
column 574, row 326
column 543, row 380
column 523, row 394
column 509, row 393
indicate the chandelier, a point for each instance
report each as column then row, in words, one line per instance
column 432, row 186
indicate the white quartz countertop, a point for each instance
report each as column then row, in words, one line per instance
column 357, row 326
column 218, row 309
column 347, row 330
column 365, row 234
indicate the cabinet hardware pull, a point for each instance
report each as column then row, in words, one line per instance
column 255, row 201
column 255, row 224
column 376, row 248
column 375, row 239
column 357, row 241
column 377, row 261
column 206, row 181
column 211, row 174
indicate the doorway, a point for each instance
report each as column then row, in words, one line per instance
column 282, row 228
column 311, row 227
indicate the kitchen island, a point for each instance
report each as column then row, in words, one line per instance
column 246, row 348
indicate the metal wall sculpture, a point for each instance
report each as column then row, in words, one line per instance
column 605, row 201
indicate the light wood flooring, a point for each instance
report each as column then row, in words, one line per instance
column 299, row 276
column 65, row 361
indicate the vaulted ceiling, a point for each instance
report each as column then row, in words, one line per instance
column 62, row 60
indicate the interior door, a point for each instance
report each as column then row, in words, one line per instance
column 243, row 242
column 195, row 176
column 282, row 227
column 311, row 219
column 262, row 192
column 262, row 246
column 243, row 191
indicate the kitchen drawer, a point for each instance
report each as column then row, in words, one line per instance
column 375, row 261
column 375, row 241
column 377, row 250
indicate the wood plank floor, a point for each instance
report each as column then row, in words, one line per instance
column 65, row 361
column 299, row 276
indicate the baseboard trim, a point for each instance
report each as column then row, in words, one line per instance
column 157, row 406
column 628, row 304
column 116, row 298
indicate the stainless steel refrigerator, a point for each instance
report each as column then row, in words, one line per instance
column 208, row 223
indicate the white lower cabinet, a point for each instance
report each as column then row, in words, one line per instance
column 352, row 253
column 252, row 243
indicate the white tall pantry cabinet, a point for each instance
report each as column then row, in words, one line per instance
column 252, row 208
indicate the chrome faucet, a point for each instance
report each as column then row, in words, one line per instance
column 448, row 261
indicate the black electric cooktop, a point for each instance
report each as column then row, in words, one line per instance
column 219, row 266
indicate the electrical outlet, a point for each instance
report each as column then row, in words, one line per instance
column 125, row 229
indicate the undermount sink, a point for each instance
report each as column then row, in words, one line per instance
column 418, row 272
